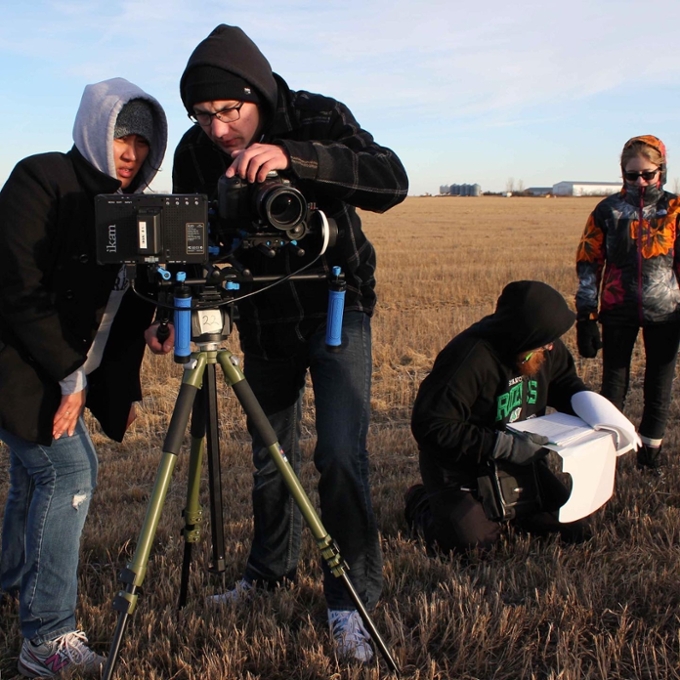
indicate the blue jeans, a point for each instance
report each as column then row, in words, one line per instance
column 342, row 384
column 49, row 496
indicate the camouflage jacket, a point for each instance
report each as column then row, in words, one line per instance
column 628, row 258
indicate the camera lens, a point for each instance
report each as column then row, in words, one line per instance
column 284, row 207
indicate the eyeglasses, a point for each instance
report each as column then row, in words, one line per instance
column 228, row 114
column 647, row 175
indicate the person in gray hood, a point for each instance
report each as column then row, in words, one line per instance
column 71, row 336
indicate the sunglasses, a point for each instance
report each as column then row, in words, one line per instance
column 545, row 348
column 647, row 175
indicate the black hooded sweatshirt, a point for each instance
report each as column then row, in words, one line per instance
column 475, row 389
column 333, row 162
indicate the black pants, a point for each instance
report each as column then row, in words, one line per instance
column 661, row 349
column 450, row 517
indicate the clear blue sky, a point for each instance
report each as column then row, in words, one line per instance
column 537, row 91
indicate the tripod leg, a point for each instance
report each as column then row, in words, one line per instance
column 218, row 564
column 204, row 421
column 134, row 573
column 193, row 511
column 328, row 547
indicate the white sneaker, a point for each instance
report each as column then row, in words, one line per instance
column 52, row 658
column 352, row 640
column 241, row 591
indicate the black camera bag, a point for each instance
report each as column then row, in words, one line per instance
column 508, row 491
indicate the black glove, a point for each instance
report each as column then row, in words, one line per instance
column 588, row 337
column 520, row 448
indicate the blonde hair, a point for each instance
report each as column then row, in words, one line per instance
column 639, row 148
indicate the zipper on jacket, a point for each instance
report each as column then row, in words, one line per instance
column 639, row 254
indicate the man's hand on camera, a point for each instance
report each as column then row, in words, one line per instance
column 66, row 417
column 253, row 164
column 520, row 448
column 154, row 344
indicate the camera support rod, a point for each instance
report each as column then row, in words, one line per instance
column 198, row 370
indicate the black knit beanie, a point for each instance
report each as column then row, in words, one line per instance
column 210, row 83
column 135, row 118
column 532, row 314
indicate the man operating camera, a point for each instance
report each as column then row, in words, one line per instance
column 248, row 123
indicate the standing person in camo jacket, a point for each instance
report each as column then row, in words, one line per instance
column 248, row 122
column 628, row 261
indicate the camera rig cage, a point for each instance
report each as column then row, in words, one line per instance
column 173, row 233
column 159, row 229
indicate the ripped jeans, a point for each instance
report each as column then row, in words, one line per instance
column 49, row 496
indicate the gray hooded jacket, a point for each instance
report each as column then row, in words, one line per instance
column 53, row 293
column 95, row 122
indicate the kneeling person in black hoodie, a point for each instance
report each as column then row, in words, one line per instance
column 505, row 368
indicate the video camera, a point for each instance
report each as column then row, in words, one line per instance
column 160, row 229
column 271, row 213
column 181, row 229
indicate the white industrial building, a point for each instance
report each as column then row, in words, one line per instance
column 586, row 188
column 460, row 190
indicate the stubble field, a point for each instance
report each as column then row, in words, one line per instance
column 605, row 610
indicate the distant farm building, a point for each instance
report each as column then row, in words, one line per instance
column 585, row 188
column 539, row 191
column 461, row 190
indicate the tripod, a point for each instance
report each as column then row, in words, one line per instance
column 200, row 377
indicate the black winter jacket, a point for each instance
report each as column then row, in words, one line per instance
column 475, row 389
column 335, row 164
column 52, row 296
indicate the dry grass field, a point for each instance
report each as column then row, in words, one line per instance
column 604, row 610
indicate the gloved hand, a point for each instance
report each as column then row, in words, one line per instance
column 520, row 448
column 588, row 337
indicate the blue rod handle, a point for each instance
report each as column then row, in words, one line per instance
column 336, row 307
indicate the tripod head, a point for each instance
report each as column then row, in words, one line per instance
column 203, row 309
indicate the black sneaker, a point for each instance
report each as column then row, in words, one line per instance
column 543, row 524
column 649, row 459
